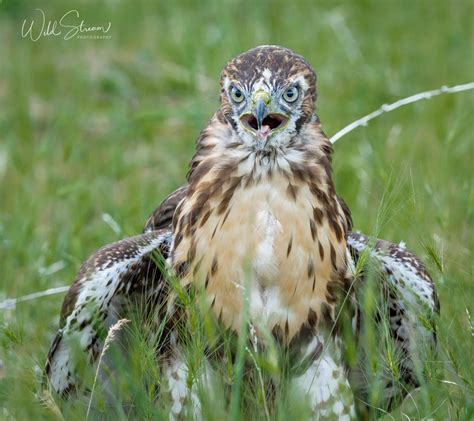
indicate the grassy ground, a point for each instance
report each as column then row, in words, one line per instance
column 94, row 127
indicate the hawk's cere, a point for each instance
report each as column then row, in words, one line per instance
column 259, row 220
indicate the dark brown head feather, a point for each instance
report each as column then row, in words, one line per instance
column 284, row 65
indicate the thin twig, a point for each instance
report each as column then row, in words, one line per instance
column 386, row 108
column 11, row 303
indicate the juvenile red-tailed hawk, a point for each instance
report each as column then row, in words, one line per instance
column 259, row 220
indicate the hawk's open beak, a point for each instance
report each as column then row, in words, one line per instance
column 262, row 120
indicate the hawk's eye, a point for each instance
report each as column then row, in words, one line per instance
column 236, row 94
column 291, row 94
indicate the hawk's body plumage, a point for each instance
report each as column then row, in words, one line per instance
column 259, row 219
column 280, row 212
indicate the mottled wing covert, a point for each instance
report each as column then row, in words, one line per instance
column 410, row 304
column 105, row 284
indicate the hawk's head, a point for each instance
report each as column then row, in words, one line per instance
column 267, row 94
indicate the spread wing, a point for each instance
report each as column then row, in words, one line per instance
column 114, row 277
column 107, row 282
column 410, row 302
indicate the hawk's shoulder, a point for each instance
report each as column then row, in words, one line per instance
column 162, row 216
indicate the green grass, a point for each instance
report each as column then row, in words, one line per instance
column 89, row 127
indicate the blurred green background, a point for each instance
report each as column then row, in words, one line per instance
column 106, row 127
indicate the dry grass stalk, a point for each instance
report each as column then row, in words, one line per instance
column 113, row 330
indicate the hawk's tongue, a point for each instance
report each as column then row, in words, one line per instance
column 265, row 129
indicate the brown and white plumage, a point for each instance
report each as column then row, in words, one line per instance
column 283, row 216
column 104, row 286
column 258, row 219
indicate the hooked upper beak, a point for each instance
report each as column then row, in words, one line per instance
column 260, row 110
column 261, row 120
